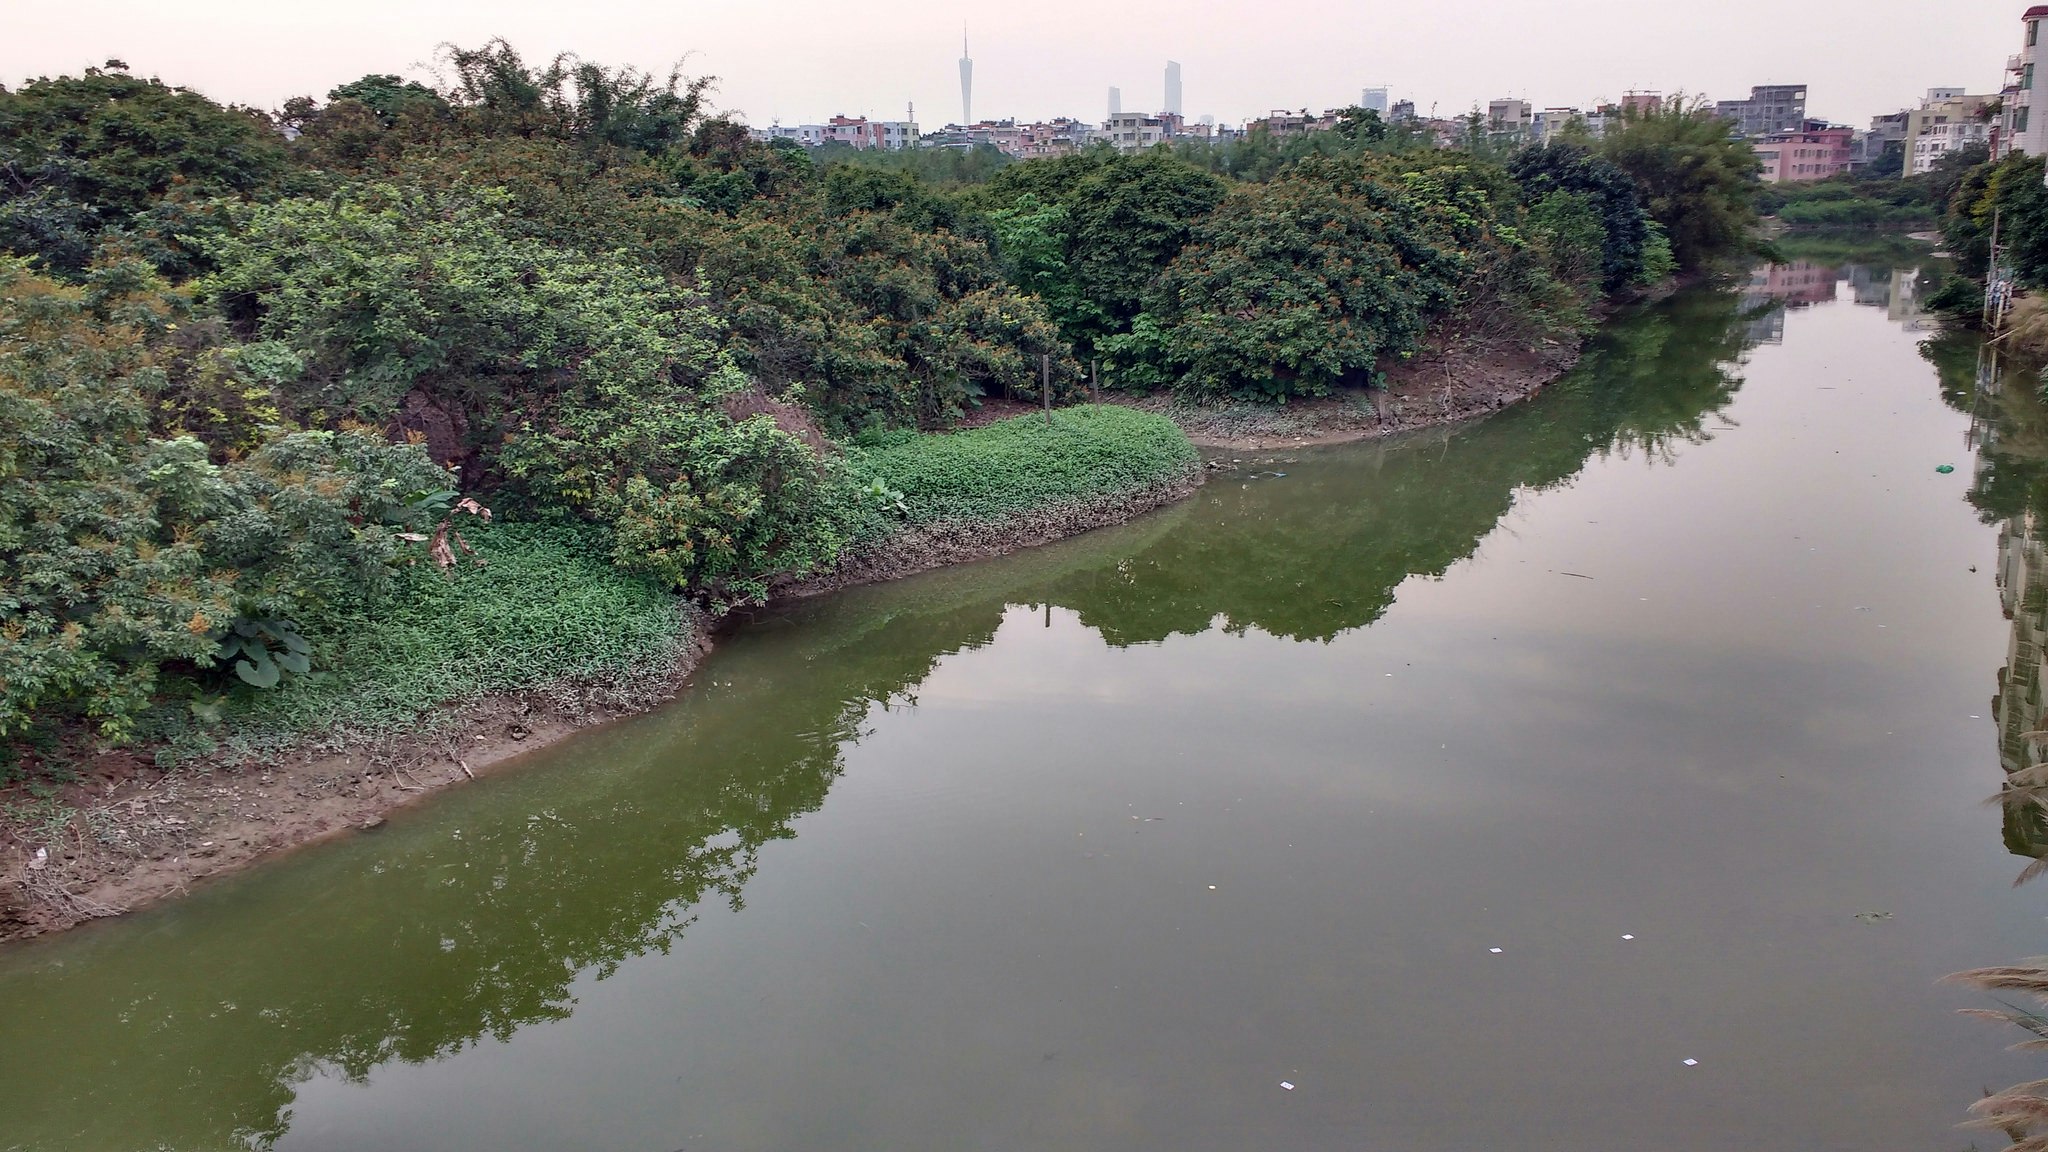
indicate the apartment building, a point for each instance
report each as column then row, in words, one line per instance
column 1135, row 131
column 1947, row 120
column 1515, row 118
column 1770, row 108
column 2019, row 131
column 1814, row 151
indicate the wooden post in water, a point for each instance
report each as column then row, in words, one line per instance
column 1095, row 381
column 1045, row 384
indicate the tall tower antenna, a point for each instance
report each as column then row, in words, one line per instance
column 966, row 81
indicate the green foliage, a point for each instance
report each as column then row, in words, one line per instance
column 2009, row 193
column 1124, row 219
column 83, row 154
column 1617, row 229
column 1696, row 180
column 933, row 167
column 545, row 607
column 1021, row 464
column 1854, row 203
column 121, row 553
column 262, row 651
column 1293, row 287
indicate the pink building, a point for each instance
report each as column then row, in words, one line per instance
column 1815, row 152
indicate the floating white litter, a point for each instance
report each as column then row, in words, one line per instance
column 1287, row 1085
column 1626, row 936
column 1690, row 1062
column 1493, row 949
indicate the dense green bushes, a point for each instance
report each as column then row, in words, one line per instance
column 122, row 552
column 249, row 373
column 1021, row 464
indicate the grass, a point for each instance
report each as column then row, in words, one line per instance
column 544, row 608
column 1020, row 464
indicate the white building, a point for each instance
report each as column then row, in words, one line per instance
column 1172, row 106
column 1510, row 117
column 1948, row 119
column 1374, row 100
column 1135, row 131
column 2021, row 132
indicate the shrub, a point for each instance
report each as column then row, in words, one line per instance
column 545, row 606
column 121, row 553
column 1020, row 464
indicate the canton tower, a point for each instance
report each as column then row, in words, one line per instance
column 966, row 82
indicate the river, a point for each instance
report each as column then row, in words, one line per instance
column 1606, row 774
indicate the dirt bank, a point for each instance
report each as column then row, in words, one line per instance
column 1447, row 382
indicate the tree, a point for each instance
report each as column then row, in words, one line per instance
column 1696, row 180
column 83, row 154
column 1609, row 192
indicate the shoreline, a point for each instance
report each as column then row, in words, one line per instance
column 154, row 835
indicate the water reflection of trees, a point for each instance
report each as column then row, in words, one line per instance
column 2009, row 429
column 418, row 946
column 1322, row 551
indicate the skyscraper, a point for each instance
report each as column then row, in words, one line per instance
column 966, row 81
column 1375, row 101
column 1173, row 88
column 1116, row 101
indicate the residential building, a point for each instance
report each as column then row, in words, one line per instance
column 1947, row 120
column 2020, row 132
column 1135, row 131
column 1642, row 103
column 1770, row 108
column 861, row 132
column 1885, row 131
column 1511, row 118
column 1116, row 101
column 1404, row 111
column 1550, row 121
column 1282, row 124
column 1815, row 151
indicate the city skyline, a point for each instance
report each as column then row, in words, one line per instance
column 1032, row 67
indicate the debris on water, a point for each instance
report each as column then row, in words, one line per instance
column 1873, row 917
column 1287, row 1084
column 1494, row 950
column 1212, row 887
column 1627, row 936
column 1944, row 469
column 1689, row 1062
column 1580, row 575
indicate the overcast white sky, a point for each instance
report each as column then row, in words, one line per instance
column 803, row 60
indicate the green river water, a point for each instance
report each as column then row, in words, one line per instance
column 1607, row 774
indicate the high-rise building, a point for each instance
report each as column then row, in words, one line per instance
column 1375, row 100
column 966, row 82
column 1173, row 88
column 1116, row 102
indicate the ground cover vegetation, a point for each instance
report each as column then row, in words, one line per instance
column 1876, row 197
column 421, row 391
